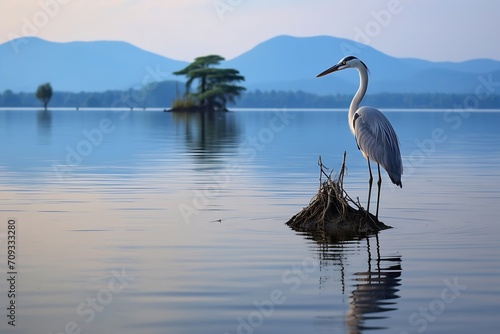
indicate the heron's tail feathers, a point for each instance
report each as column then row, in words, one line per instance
column 396, row 179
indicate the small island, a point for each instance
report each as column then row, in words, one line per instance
column 332, row 215
column 216, row 86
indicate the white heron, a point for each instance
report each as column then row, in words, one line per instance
column 374, row 134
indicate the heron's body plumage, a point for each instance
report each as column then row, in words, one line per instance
column 378, row 141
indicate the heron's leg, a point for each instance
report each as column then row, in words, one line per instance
column 370, row 181
column 379, row 183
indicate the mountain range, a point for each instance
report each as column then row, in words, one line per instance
column 280, row 63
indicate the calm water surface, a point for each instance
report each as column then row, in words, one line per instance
column 152, row 222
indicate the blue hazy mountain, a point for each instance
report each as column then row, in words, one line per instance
column 80, row 66
column 280, row 63
column 291, row 63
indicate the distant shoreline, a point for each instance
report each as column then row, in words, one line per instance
column 163, row 95
column 156, row 109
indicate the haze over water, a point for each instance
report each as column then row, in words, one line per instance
column 152, row 222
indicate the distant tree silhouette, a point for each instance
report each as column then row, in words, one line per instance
column 44, row 94
column 10, row 99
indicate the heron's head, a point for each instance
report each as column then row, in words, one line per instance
column 346, row 62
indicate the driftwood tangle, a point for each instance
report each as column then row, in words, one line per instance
column 330, row 214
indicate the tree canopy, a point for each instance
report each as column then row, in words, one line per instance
column 216, row 86
column 44, row 94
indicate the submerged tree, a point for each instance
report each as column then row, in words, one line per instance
column 44, row 94
column 216, row 86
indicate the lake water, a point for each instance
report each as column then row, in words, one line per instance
column 153, row 222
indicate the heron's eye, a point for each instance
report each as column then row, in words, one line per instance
column 343, row 63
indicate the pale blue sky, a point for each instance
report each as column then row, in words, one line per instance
column 441, row 30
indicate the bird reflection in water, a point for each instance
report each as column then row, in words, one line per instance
column 375, row 290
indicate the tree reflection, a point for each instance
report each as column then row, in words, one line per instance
column 207, row 134
column 44, row 125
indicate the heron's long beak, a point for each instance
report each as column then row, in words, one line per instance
column 330, row 70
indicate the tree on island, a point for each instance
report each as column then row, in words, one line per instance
column 44, row 94
column 215, row 88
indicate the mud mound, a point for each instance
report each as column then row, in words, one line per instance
column 332, row 213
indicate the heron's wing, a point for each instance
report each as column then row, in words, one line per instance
column 376, row 137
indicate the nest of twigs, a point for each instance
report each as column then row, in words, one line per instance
column 332, row 213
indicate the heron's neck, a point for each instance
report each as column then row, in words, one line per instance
column 356, row 100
